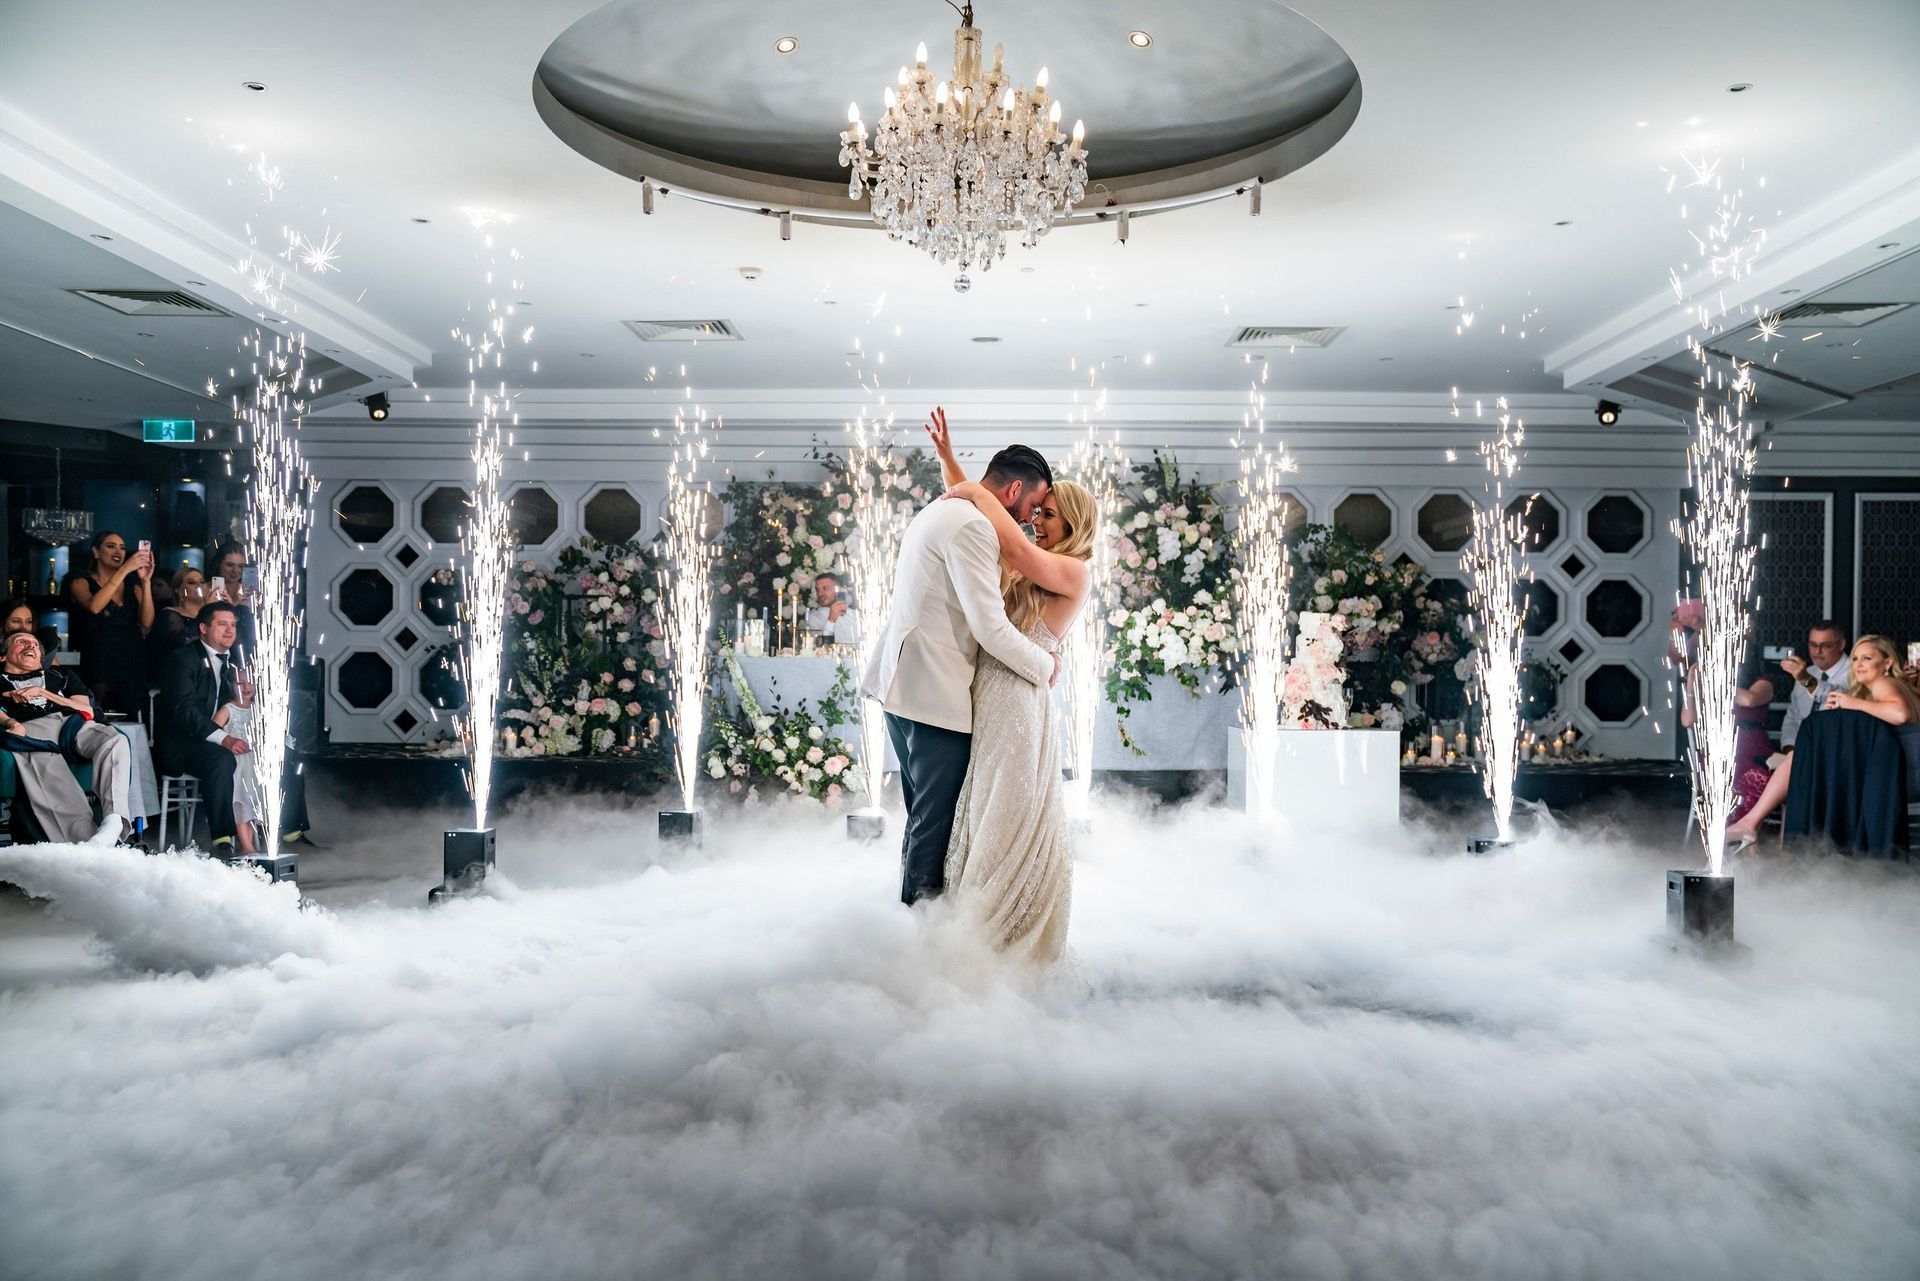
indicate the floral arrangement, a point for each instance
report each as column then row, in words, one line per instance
column 1312, row 693
column 785, row 532
column 1172, row 571
column 584, row 647
column 1400, row 634
column 793, row 752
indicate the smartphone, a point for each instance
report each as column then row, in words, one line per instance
column 250, row 579
column 216, row 589
column 1774, row 653
column 146, row 547
column 1913, row 653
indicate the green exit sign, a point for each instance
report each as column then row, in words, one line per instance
column 168, row 431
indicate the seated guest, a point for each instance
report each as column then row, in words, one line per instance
column 46, row 715
column 206, row 710
column 833, row 614
column 176, row 626
column 1877, row 690
column 16, row 616
column 1752, row 695
column 1827, row 668
column 230, row 585
column 113, row 609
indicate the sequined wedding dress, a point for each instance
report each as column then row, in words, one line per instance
column 1010, row 863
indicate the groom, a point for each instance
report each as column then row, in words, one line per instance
column 946, row 608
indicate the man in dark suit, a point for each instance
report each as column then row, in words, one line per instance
column 201, row 686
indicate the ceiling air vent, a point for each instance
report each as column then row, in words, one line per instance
column 1838, row 315
column 684, row 330
column 152, row 302
column 1287, row 336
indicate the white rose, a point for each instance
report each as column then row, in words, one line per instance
column 715, row 769
column 815, row 733
column 779, row 755
column 1118, row 618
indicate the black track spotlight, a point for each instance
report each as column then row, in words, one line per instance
column 378, row 408
column 1607, row 412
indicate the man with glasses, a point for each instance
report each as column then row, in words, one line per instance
column 1826, row 669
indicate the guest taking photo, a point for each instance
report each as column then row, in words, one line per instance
column 112, row 606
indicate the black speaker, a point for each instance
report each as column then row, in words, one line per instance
column 187, row 518
column 307, row 705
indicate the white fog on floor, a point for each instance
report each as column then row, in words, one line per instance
column 1289, row 1054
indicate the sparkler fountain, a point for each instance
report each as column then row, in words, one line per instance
column 1715, row 532
column 486, row 544
column 1097, row 466
column 1492, row 565
column 686, row 611
column 879, row 517
column 279, row 512
column 1262, row 596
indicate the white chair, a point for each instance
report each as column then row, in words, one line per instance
column 179, row 798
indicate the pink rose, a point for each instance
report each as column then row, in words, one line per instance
column 833, row 793
column 647, row 677
column 599, row 704
column 534, row 618
column 633, row 709
column 845, row 500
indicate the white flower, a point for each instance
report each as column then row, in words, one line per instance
column 793, row 742
column 783, row 560
column 1399, row 688
column 815, row 733
column 779, row 755
column 761, row 724
column 1151, row 495
column 715, row 769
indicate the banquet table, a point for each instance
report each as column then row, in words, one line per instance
column 1177, row 730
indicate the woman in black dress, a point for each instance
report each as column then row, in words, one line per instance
column 113, row 607
column 177, row 625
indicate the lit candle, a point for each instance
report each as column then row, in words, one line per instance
column 1557, row 746
column 1436, row 746
column 653, row 727
column 1410, row 757
column 506, row 740
column 1460, row 742
column 1450, row 756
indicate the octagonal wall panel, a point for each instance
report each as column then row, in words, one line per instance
column 364, row 680
column 1541, row 517
column 1613, row 694
column 612, row 515
column 533, row 514
column 1445, row 522
column 1616, row 609
column 363, row 513
column 442, row 513
column 364, row 596
column 1366, row 516
column 1618, row 524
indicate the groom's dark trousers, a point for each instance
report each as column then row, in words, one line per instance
column 933, row 765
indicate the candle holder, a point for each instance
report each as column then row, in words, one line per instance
column 466, row 856
column 1700, row 907
column 680, row 827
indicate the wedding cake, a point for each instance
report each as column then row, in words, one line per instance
column 1314, row 695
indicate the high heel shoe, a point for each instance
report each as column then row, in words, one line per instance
column 1741, row 843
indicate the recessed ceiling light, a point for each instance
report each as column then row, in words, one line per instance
column 98, row 236
column 143, row 335
column 1739, row 87
column 986, row 339
column 198, row 284
column 786, row 44
column 1641, row 124
column 1564, row 222
column 1026, row 271
column 586, row 355
column 1385, row 359
column 1139, row 39
column 423, row 220
column 1786, row 292
column 521, row 302
column 1693, row 120
column 254, row 85
column 1888, row 244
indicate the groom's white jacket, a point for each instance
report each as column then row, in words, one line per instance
column 946, row 609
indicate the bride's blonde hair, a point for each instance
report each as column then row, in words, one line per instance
column 1024, row 597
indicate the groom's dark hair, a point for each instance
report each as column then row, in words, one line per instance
column 1018, row 462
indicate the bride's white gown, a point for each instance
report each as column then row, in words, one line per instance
column 1009, row 863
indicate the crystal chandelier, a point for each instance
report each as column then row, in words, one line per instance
column 955, row 166
column 56, row 526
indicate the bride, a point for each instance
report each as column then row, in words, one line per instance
column 1009, row 863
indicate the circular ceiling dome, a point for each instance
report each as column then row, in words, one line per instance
column 698, row 95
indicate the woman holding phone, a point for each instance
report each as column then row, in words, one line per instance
column 112, row 603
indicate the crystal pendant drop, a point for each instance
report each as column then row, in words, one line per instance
column 961, row 283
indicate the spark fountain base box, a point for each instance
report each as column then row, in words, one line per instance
column 1488, row 845
column 1700, row 907
column 278, row 867
column 1353, row 774
column 680, row 826
column 466, row 856
column 866, row 825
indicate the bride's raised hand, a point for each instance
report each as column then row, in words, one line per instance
column 937, row 432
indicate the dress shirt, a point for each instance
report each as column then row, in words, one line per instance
column 1801, row 703
column 215, row 659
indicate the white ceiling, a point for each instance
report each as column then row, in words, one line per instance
column 1481, row 126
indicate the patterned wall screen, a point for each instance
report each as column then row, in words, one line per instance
column 1888, row 531
column 1790, row 572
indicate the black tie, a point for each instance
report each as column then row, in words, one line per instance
column 220, row 683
